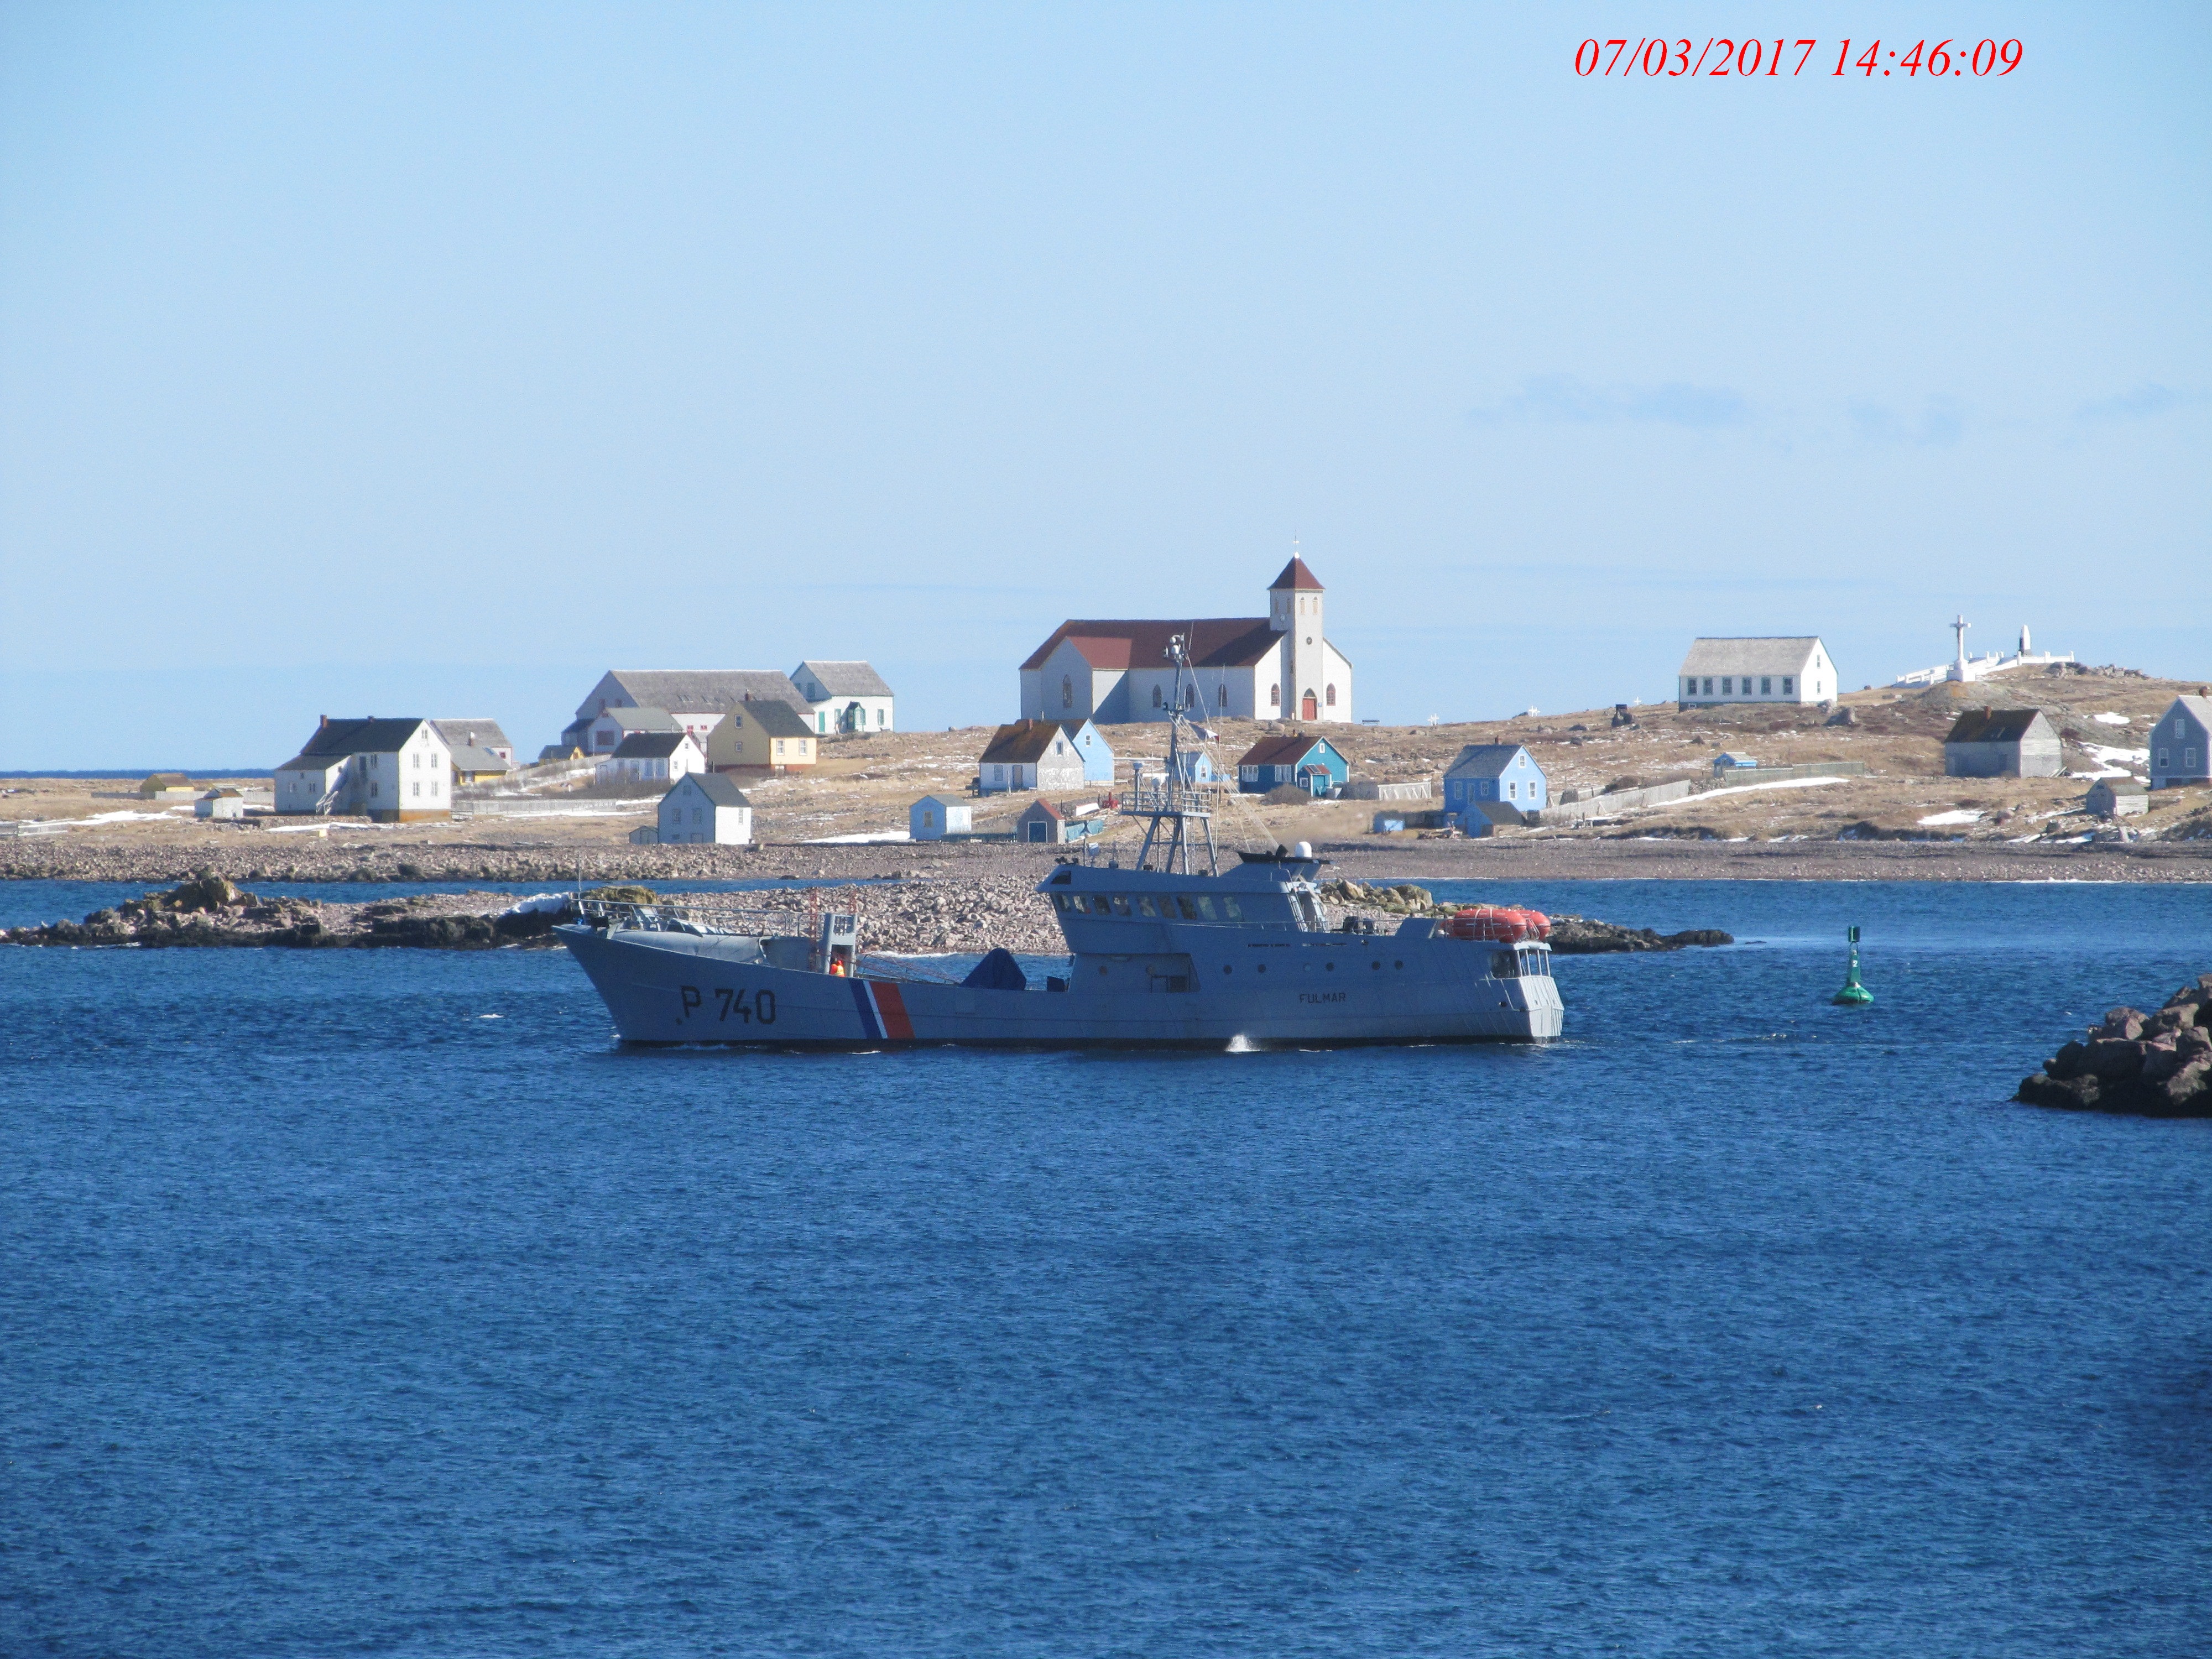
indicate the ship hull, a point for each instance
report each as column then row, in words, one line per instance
column 674, row 989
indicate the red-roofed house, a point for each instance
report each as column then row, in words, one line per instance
column 1278, row 666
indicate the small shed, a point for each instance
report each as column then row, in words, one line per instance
column 166, row 786
column 1040, row 821
column 219, row 804
column 935, row 817
column 1193, row 766
column 475, row 765
column 1487, row 818
column 1495, row 772
column 705, row 808
column 1097, row 754
column 1310, row 763
column 2117, row 797
column 1728, row 761
column 2002, row 743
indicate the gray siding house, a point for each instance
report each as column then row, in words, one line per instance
column 2002, row 743
column 2181, row 745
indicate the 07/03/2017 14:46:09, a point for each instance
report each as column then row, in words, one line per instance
column 1746, row 59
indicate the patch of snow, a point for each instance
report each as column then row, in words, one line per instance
column 876, row 839
column 2112, row 720
column 1963, row 815
column 530, row 906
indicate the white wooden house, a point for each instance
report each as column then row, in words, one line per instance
column 705, row 809
column 845, row 697
column 697, row 698
column 394, row 771
column 651, row 758
column 1030, row 755
column 1794, row 668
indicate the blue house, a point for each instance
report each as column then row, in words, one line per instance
column 1097, row 755
column 1312, row 763
column 1501, row 773
column 1195, row 765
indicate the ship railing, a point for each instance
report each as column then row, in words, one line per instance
column 690, row 918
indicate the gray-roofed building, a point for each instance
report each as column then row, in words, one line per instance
column 2117, row 797
column 219, row 804
column 697, row 697
column 472, row 765
column 1501, row 772
column 2181, row 743
column 769, row 735
column 475, row 734
column 1782, row 668
column 391, row 770
column 845, row 697
column 705, row 809
column 651, row 758
column 2002, row 743
column 604, row 733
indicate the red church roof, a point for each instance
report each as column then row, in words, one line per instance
column 1295, row 574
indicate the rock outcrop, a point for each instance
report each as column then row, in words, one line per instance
column 1572, row 936
column 2156, row 1065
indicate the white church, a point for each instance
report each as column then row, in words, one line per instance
column 1278, row 666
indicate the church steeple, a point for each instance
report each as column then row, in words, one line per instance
column 1294, row 609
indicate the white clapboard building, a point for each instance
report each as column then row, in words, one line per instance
column 1792, row 668
column 394, row 771
column 705, row 809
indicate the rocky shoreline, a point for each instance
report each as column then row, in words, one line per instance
column 2157, row 1065
column 919, row 917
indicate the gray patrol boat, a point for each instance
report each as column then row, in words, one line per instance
column 1161, row 954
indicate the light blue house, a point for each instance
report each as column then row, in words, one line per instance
column 1504, row 773
column 1097, row 754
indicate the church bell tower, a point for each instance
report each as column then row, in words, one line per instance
column 1294, row 609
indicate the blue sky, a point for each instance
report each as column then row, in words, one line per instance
column 392, row 358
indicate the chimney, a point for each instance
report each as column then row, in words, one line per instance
column 325, row 725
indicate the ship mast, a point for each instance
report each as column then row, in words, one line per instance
column 1175, row 812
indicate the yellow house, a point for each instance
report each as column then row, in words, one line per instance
column 765, row 735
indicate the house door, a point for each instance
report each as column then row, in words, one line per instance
column 1308, row 709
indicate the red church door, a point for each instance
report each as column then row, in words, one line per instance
column 1307, row 710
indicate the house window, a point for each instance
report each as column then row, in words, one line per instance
column 1276, row 696
column 1156, row 696
column 1221, row 696
column 418, row 786
column 1709, row 688
column 2161, row 760
column 1765, row 686
column 1190, row 696
column 1512, row 791
column 1786, row 690
column 372, row 788
column 883, row 716
column 1332, row 696
column 2188, row 760
column 1728, row 688
column 1066, row 692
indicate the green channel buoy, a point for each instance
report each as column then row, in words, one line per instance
column 1854, row 994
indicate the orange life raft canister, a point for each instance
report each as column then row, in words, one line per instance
column 1498, row 923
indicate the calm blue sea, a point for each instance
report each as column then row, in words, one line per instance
column 374, row 1302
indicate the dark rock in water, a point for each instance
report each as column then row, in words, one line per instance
column 2151, row 1066
column 1579, row 936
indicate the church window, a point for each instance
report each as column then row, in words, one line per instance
column 1276, row 696
column 1190, row 696
column 1332, row 696
column 1221, row 696
column 1156, row 696
column 1066, row 692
